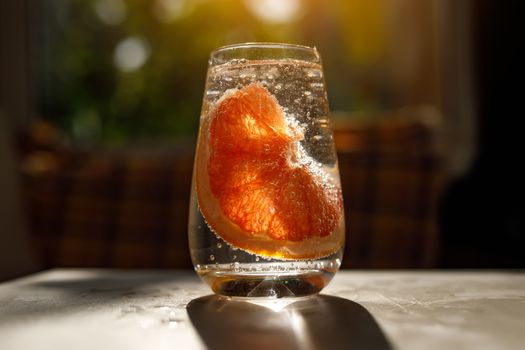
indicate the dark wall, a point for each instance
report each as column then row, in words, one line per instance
column 483, row 214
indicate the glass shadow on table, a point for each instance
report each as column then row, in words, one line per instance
column 317, row 322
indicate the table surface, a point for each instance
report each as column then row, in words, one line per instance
column 129, row 309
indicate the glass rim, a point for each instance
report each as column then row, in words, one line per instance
column 262, row 45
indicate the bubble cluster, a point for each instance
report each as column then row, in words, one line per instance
column 299, row 88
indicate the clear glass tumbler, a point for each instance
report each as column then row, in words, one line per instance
column 266, row 210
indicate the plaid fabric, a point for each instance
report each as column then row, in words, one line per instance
column 131, row 210
column 112, row 210
column 391, row 173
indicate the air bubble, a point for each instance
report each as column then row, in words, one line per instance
column 314, row 73
column 212, row 93
column 234, row 257
column 212, row 257
column 257, row 258
column 317, row 86
column 219, row 245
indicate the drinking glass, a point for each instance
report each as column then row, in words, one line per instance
column 266, row 210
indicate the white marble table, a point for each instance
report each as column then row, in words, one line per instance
column 118, row 309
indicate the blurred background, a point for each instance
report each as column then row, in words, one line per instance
column 99, row 108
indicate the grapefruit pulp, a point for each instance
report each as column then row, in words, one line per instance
column 256, row 186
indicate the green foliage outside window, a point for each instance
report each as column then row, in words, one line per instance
column 111, row 72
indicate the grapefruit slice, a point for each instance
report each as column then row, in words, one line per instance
column 256, row 186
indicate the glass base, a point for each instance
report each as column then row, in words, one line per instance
column 275, row 281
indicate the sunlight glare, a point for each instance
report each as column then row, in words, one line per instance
column 170, row 10
column 131, row 53
column 300, row 329
column 276, row 11
column 111, row 12
column 276, row 305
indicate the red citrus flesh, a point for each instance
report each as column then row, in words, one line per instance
column 257, row 189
